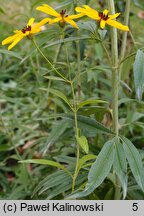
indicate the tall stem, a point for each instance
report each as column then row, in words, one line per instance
column 66, row 54
column 78, row 57
column 115, row 88
column 74, row 109
column 115, row 72
column 48, row 61
column 78, row 67
column 124, row 38
column 76, row 135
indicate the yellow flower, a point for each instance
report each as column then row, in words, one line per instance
column 102, row 17
column 30, row 29
column 61, row 17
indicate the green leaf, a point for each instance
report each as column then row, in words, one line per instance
column 120, row 166
column 57, row 183
column 139, row 3
column 135, row 161
column 54, row 78
column 89, row 125
column 2, row 11
column 102, row 33
column 139, row 74
column 65, row 186
column 63, row 4
column 136, row 116
column 65, row 159
column 82, row 141
column 88, row 26
column 46, row 162
column 93, row 123
column 59, row 94
column 56, row 132
column 60, row 5
column 99, row 170
column 129, row 100
column 50, row 181
column 66, row 40
column 11, row 53
column 84, row 159
column 87, row 102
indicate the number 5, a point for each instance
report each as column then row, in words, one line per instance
column 135, row 207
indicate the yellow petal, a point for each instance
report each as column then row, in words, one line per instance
column 30, row 22
column 91, row 10
column 71, row 22
column 102, row 24
column 87, row 7
column 48, row 10
column 16, row 31
column 55, row 20
column 105, row 12
column 11, row 38
column 93, row 15
column 81, row 10
column 28, row 33
column 76, row 16
column 19, row 38
column 88, row 11
column 114, row 16
column 41, row 23
column 117, row 25
column 34, row 31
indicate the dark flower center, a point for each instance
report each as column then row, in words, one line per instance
column 103, row 16
column 63, row 13
column 25, row 29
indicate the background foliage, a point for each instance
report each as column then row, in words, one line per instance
column 38, row 124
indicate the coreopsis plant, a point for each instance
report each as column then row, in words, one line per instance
column 102, row 18
column 118, row 151
column 62, row 17
column 28, row 31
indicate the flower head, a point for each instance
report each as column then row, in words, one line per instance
column 102, row 17
column 30, row 29
column 61, row 17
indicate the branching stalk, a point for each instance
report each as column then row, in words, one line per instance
column 48, row 61
column 115, row 88
column 78, row 75
column 115, row 72
column 76, row 135
column 124, row 38
column 74, row 109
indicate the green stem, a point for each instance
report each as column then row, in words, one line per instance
column 76, row 135
column 115, row 72
column 47, row 60
column 107, row 53
column 66, row 53
column 78, row 75
column 124, row 38
column 115, row 88
column 35, row 69
column 78, row 67
column 74, row 4
column 78, row 153
column 133, row 40
column 75, row 114
column 57, row 53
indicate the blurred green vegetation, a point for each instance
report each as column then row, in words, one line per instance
column 36, row 124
